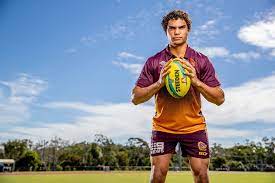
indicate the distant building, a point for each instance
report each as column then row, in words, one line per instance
column 7, row 165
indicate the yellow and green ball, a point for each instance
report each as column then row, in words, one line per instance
column 177, row 82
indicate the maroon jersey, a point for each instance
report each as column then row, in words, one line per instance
column 178, row 116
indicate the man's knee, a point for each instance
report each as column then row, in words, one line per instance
column 201, row 172
column 159, row 168
column 161, row 171
column 199, row 168
column 158, row 174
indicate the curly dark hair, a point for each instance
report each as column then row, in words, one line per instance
column 174, row 15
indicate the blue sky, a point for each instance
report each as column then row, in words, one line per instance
column 68, row 67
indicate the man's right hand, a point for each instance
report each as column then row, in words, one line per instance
column 140, row 95
column 164, row 71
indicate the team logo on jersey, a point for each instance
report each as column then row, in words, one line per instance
column 162, row 63
column 202, row 146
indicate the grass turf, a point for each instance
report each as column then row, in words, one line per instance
column 133, row 177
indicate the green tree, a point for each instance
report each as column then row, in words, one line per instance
column 109, row 150
column 139, row 152
column 95, row 154
column 29, row 161
column 123, row 158
column 69, row 160
column 14, row 149
column 236, row 166
column 218, row 162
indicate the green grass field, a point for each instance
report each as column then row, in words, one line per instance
column 133, row 177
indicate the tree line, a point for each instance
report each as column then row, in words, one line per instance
column 103, row 154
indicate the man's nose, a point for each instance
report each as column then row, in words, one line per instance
column 177, row 31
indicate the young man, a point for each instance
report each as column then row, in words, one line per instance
column 178, row 120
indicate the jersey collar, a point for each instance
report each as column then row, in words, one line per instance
column 170, row 55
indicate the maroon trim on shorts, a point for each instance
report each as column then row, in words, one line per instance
column 192, row 144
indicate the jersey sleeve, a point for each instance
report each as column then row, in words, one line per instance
column 146, row 76
column 208, row 75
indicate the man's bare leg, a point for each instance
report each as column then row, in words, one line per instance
column 199, row 169
column 159, row 168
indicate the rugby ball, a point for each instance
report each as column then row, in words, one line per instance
column 177, row 83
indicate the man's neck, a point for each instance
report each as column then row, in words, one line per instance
column 178, row 51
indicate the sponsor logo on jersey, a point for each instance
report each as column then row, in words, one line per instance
column 157, row 147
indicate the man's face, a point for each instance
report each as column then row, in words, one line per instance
column 177, row 32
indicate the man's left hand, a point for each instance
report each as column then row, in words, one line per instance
column 191, row 72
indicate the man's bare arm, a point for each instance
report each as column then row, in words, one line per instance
column 212, row 94
column 140, row 95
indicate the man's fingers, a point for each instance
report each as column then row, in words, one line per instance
column 186, row 63
column 190, row 74
column 187, row 68
column 181, row 60
column 165, row 73
column 167, row 63
column 166, row 67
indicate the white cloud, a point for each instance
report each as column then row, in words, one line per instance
column 114, row 120
column 272, row 53
column 250, row 102
column 120, row 30
column 214, row 51
column 175, row 1
column 260, row 33
column 246, row 55
column 11, row 113
column 25, row 88
column 133, row 68
column 87, row 40
column 228, row 133
column 19, row 95
column 127, row 55
column 207, row 25
column 71, row 50
column 118, row 121
column 204, row 32
column 70, row 105
column 129, row 26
